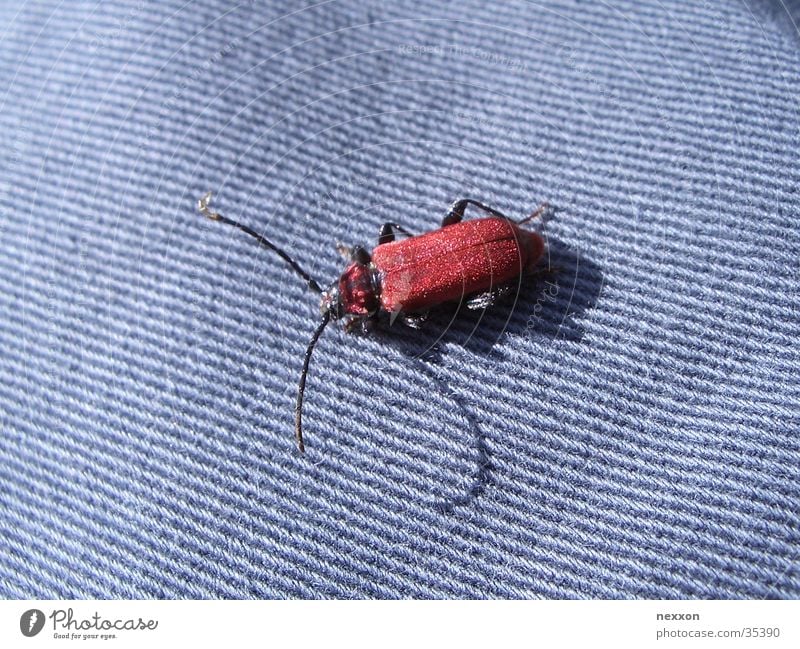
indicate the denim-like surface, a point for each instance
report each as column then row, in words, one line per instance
column 628, row 428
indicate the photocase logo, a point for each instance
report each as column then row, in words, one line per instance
column 66, row 626
column 31, row 622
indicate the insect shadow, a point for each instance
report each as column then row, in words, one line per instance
column 548, row 307
column 481, row 476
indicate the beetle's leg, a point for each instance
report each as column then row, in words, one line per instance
column 368, row 324
column 550, row 271
column 360, row 255
column 487, row 299
column 387, row 233
column 415, row 320
column 355, row 253
column 539, row 212
column 360, row 324
column 456, row 212
column 352, row 324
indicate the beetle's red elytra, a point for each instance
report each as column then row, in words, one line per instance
column 473, row 261
column 465, row 258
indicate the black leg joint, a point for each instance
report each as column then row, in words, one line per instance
column 387, row 232
column 456, row 213
column 360, row 255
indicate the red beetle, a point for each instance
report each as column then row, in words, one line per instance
column 476, row 261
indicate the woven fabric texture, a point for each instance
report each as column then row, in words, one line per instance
column 627, row 427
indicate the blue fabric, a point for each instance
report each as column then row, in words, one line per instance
column 627, row 427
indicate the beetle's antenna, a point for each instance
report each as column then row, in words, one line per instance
column 205, row 210
column 298, row 409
